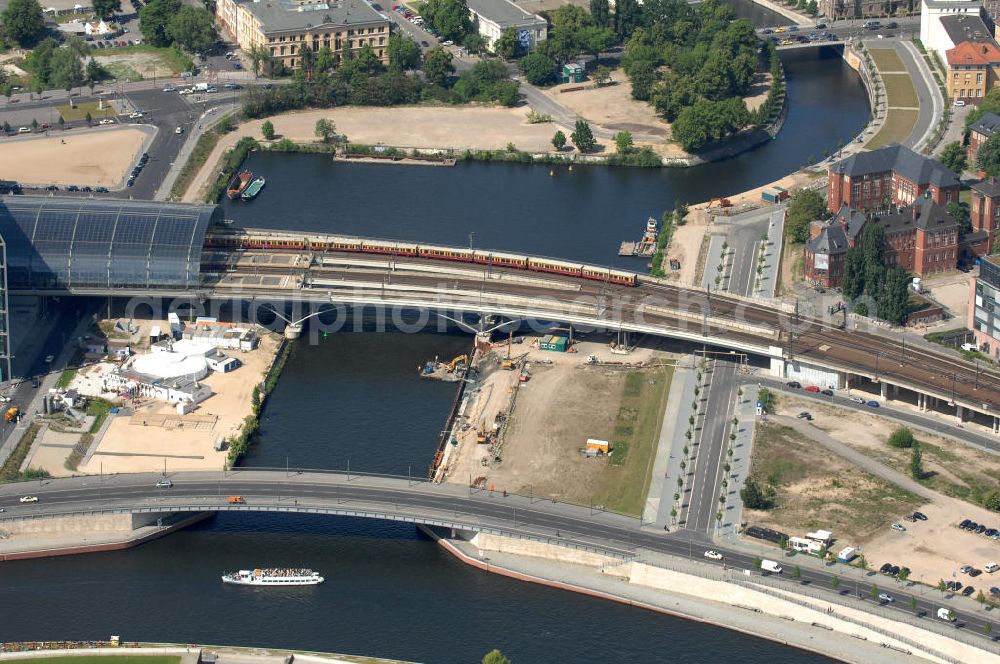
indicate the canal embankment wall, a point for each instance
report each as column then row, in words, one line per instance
column 45, row 536
column 189, row 654
column 715, row 596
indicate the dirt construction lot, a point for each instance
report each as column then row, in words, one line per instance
column 95, row 157
column 557, row 410
column 960, row 474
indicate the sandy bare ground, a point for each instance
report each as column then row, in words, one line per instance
column 611, row 106
column 51, row 452
column 685, row 245
column 189, row 447
column 952, row 291
column 94, row 157
column 423, row 127
column 931, row 549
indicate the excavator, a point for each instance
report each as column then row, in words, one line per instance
column 508, row 363
column 461, row 359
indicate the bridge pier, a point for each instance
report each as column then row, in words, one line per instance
column 959, row 414
column 883, row 391
column 293, row 331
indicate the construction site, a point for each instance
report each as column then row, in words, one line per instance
column 528, row 420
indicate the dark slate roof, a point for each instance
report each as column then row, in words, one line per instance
column 989, row 187
column 987, row 124
column 853, row 221
column 930, row 217
column 966, row 28
column 901, row 160
column 975, row 236
column 831, row 240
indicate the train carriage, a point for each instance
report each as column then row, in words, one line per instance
column 387, row 247
column 448, row 253
column 557, row 267
column 508, row 260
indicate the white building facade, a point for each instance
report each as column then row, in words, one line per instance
column 491, row 17
column 933, row 34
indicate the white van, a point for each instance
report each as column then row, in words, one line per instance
column 946, row 614
column 970, row 347
column 991, row 567
column 770, row 566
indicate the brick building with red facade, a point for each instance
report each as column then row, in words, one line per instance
column 979, row 133
column 922, row 238
column 893, row 175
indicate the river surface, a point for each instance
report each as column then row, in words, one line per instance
column 356, row 398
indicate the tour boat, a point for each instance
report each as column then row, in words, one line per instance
column 273, row 577
column 238, row 184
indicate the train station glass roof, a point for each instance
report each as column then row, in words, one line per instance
column 78, row 243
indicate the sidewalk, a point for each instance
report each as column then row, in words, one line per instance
column 670, row 448
column 772, row 256
column 746, row 412
column 204, row 123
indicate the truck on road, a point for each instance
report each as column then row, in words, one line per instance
column 770, row 566
column 237, row 500
column 200, row 87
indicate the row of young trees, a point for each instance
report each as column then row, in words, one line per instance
column 336, row 79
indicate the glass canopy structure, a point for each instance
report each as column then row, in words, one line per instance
column 80, row 244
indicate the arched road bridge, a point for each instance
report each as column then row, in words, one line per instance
column 446, row 506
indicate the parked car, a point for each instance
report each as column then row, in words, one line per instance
column 910, row 518
column 179, row 130
column 794, row 384
column 857, row 400
column 959, row 102
column 101, row 190
column 964, row 524
column 812, row 388
column 894, row 570
column 828, row 393
column 884, row 569
column 820, row 26
column 975, row 572
column 968, row 591
column 899, row 527
column 873, row 404
column 805, row 415
column 920, row 515
column 965, row 569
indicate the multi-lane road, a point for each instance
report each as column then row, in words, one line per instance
column 403, row 498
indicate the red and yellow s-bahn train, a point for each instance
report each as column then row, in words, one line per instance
column 241, row 239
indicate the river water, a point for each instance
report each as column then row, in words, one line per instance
column 356, row 398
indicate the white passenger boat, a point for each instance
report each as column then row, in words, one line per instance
column 274, row 577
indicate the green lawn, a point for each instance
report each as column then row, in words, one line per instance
column 109, row 659
column 79, row 112
column 886, row 59
column 637, row 432
column 899, row 89
column 897, row 127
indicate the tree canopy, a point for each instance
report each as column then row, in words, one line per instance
column 449, row 17
column 192, row 28
column 583, row 137
column 106, row 8
column 953, row 156
column 154, row 21
column 438, row 66
column 804, row 207
column 538, row 69
column 404, row 53
column 988, row 156
column 706, row 122
column 23, row 21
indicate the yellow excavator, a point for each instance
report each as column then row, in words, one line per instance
column 461, row 359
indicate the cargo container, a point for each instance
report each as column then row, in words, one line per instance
column 555, row 343
column 599, row 446
column 847, row 554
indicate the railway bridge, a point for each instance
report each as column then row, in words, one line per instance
column 169, row 256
